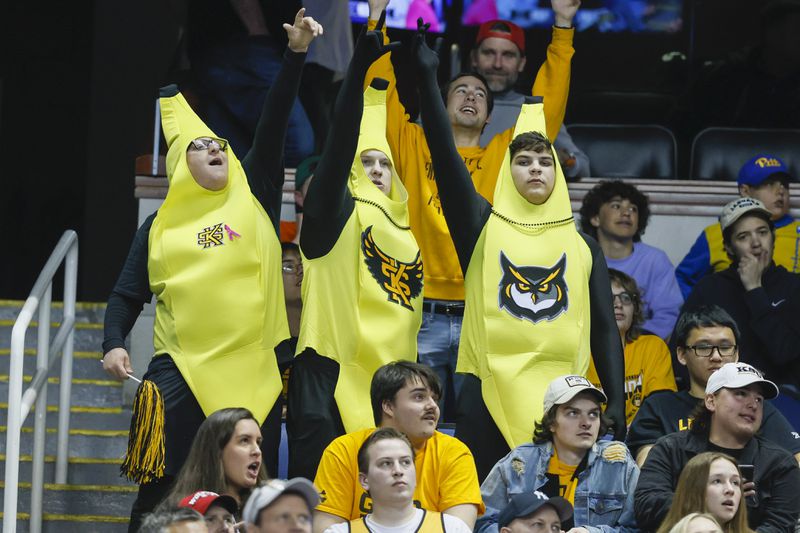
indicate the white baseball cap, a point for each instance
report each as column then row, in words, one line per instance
column 273, row 489
column 564, row 388
column 736, row 209
column 737, row 376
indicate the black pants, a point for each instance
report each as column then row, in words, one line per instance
column 476, row 428
column 182, row 419
column 312, row 416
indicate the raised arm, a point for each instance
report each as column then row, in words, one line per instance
column 328, row 202
column 553, row 78
column 605, row 343
column 464, row 209
column 263, row 164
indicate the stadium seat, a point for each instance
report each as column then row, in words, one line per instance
column 627, row 151
column 718, row 153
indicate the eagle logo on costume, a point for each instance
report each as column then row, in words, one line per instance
column 531, row 292
column 402, row 282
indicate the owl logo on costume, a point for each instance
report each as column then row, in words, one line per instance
column 402, row 282
column 531, row 292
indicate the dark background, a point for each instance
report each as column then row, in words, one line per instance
column 78, row 82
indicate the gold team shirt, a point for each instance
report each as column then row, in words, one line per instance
column 443, row 276
column 214, row 264
column 362, row 301
column 567, row 480
column 648, row 368
column 527, row 316
column 446, row 476
column 432, row 522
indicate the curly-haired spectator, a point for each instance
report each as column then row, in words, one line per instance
column 616, row 214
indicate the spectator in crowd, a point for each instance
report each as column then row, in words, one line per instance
column 763, row 298
column 292, row 268
column 499, row 56
column 281, row 506
column 566, row 459
column 362, row 285
column 616, row 214
column 181, row 520
column 648, row 363
column 469, row 104
column 218, row 510
column 403, row 397
column 531, row 193
column 726, row 421
column 710, row 483
column 706, row 338
column 386, row 471
column 765, row 178
column 225, row 458
column 536, row 283
column 235, row 61
column 697, row 523
column 534, row 512
column 211, row 256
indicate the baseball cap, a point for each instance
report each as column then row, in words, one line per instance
column 502, row 29
column 738, row 375
column 273, row 489
column 201, row 500
column 524, row 504
column 564, row 388
column 761, row 167
column 736, row 209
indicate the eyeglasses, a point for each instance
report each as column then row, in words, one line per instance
column 625, row 298
column 705, row 350
column 289, row 268
column 204, row 143
column 227, row 520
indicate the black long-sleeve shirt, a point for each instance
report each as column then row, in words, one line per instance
column 264, row 168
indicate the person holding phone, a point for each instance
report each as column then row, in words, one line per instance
column 727, row 422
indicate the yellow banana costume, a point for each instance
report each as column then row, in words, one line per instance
column 214, row 266
column 527, row 317
column 362, row 300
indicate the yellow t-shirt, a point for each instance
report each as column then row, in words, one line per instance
column 567, row 481
column 648, row 368
column 786, row 253
column 443, row 277
column 446, row 476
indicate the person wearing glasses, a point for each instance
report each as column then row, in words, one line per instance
column 762, row 297
column 648, row 363
column 706, row 338
column 211, row 257
column 727, row 420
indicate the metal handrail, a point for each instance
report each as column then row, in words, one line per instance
column 19, row 404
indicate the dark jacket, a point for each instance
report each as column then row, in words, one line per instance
column 767, row 318
column 777, row 479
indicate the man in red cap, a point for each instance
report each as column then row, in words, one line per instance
column 499, row 56
column 218, row 510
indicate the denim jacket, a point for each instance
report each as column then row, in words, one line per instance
column 603, row 497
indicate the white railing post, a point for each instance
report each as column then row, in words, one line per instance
column 19, row 404
column 40, row 413
column 65, row 390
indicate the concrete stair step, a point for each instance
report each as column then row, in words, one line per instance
column 84, row 417
column 86, row 365
column 80, row 470
column 74, row 523
column 87, row 392
column 109, row 500
column 88, row 337
column 104, row 444
column 86, row 312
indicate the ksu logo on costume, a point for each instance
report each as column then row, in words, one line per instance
column 215, row 236
column 402, row 282
column 533, row 293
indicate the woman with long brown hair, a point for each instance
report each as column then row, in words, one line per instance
column 710, row 483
